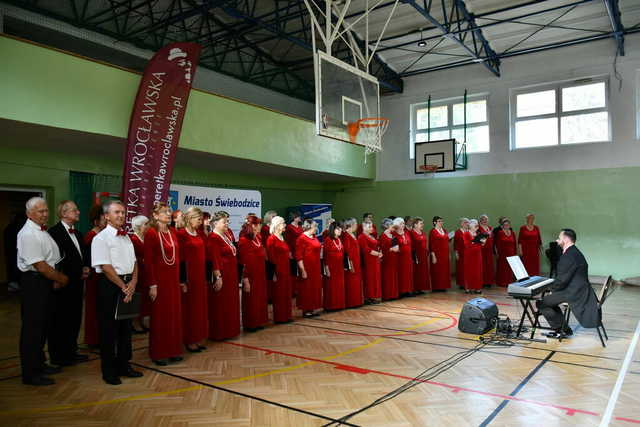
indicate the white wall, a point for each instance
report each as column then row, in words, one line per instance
column 585, row 60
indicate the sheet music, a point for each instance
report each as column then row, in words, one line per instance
column 517, row 267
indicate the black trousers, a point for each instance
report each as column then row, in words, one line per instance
column 549, row 307
column 65, row 322
column 35, row 312
column 115, row 335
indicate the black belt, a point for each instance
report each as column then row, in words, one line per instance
column 125, row 277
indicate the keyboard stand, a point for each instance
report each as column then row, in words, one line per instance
column 528, row 312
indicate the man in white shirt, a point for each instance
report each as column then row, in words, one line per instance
column 114, row 259
column 67, row 302
column 38, row 255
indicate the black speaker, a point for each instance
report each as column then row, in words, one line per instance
column 478, row 316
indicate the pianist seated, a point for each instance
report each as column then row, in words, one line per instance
column 571, row 286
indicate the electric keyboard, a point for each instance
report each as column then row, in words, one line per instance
column 529, row 287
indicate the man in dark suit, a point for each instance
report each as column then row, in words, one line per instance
column 67, row 306
column 571, row 286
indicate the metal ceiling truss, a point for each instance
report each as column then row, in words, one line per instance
column 613, row 10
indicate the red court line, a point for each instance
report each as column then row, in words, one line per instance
column 453, row 388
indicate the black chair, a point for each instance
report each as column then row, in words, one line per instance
column 602, row 296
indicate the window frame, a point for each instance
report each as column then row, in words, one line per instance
column 449, row 102
column 557, row 87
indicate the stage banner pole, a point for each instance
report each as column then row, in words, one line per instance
column 154, row 129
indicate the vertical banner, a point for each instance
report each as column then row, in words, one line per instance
column 154, row 130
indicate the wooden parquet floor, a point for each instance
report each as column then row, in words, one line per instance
column 314, row 371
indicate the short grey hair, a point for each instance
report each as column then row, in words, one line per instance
column 308, row 224
column 484, row 216
column 473, row 222
column 349, row 222
column 275, row 221
column 138, row 222
column 463, row 219
column 33, row 202
column 107, row 205
column 396, row 222
column 386, row 223
column 268, row 216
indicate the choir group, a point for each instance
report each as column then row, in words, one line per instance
column 190, row 266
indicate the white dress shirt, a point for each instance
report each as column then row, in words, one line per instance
column 109, row 248
column 73, row 236
column 35, row 245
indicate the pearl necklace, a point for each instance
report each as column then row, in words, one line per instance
column 254, row 241
column 338, row 247
column 194, row 234
column 167, row 260
column 228, row 242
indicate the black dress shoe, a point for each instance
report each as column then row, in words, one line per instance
column 161, row 362
column 176, row 359
column 112, row 380
column 41, row 380
column 50, row 370
column 201, row 347
column 251, row 330
column 194, row 350
column 130, row 373
column 80, row 358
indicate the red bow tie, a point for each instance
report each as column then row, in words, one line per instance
column 43, row 227
column 72, row 230
column 121, row 233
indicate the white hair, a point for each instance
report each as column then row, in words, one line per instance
column 473, row 222
column 396, row 222
column 268, row 217
column 275, row 222
column 107, row 205
column 138, row 222
column 33, row 202
column 484, row 216
column 463, row 219
column 349, row 222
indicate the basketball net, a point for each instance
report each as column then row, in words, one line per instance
column 368, row 132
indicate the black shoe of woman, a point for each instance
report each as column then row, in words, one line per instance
column 161, row 362
column 176, row 359
column 193, row 350
column 201, row 347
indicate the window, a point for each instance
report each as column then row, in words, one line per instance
column 445, row 119
column 564, row 113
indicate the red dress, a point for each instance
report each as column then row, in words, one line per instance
column 458, row 246
column 421, row 279
column 530, row 242
column 334, row 293
column 255, row 307
column 488, row 265
column 354, row 296
column 440, row 271
column 165, row 336
column 389, row 268
column 291, row 235
column 505, row 247
column 472, row 263
column 224, row 305
column 91, row 335
column 142, row 287
column 195, row 313
column 310, row 289
column 370, row 267
column 405, row 263
column 278, row 252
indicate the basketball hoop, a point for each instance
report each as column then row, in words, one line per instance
column 370, row 130
column 430, row 169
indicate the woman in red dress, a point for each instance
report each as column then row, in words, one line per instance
column 291, row 234
column 91, row 335
column 530, row 245
column 279, row 255
column 419, row 243
column 354, row 296
column 224, row 297
column 307, row 255
column 264, row 236
column 162, row 268
column 458, row 248
column 371, row 260
column 488, row 263
column 193, row 271
column 389, row 268
column 253, row 255
column 505, row 242
column 333, row 258
column 368, row 217
column 405, row 258
column 472, row 259
column 439, row 250
column 140, row 225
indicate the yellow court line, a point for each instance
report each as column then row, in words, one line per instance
column 219, row 383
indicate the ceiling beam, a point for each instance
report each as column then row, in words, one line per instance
column 613, row 10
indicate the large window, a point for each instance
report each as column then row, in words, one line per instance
column 445, row 119
column 564, row 113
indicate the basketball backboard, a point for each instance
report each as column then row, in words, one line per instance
column 442, row 154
